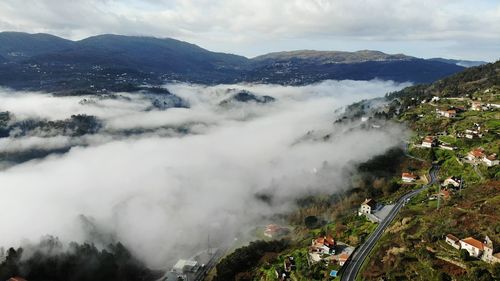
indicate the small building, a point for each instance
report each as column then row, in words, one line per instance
column 476, row 106
column 455, row 181
column 488, row 254
column 274, row 230
column 323, row 245
column 472, row 134
column 473, row 246
column 429, row 142
column 343, row 258
column 367, row 207
column 448, row 113
column 453, row 241
column 491, row 160
column 408, row 177
column 183, row 266
column 475, row 154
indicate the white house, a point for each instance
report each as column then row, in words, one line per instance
column 447, row 113
column 183, row 266
column 491, row 160
column 323, row 245
column 488, row 255
column 367, row 206
column 473, row 246
column 453, row 181
column 408, row 177
column 475, row 154
column 429, row 142
column 453, row 241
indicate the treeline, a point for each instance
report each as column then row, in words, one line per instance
column 49, row 260
column 76, row 125
column 246, row 258
column 463, row 83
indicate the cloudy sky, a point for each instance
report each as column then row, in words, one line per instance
column 425, row 28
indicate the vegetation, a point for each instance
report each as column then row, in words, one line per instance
column 245, row 258
column 49, row 260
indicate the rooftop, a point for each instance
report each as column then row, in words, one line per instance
column 474, row 242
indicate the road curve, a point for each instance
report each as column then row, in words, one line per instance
column 351, row 269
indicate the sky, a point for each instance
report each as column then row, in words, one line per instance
column 426, row 28
column 162, row 193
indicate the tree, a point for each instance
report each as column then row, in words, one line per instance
column 464, row 255
column 311, row 222
column 480, row 274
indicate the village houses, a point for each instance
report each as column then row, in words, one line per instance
column 479, row 155
column 452, row 181
column 429, row 142
column 491, row 160
column 408, row 177
column 323, row 245
column 448, row 113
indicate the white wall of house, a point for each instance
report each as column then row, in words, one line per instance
column 365, row 209
column 473, row 251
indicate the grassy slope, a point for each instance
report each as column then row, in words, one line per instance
column 413, row 247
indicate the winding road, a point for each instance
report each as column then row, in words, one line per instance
column 353, row 265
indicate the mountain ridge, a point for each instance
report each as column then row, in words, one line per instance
column 110, row 62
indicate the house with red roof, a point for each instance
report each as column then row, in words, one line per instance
column 429, row 141
column 475, row 154
column 323, row 245
column 408, row 177
column 473, row 246
column 343, row 258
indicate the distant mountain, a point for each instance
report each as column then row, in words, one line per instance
column 299, row 67
column 119, row 63
column 19, row 46
column 464, row 63
column 326, row 57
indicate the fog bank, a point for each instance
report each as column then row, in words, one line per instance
column 189, row 172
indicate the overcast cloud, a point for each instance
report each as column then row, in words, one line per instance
column 426, row 28
column 162, row 195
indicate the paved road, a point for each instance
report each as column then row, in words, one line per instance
column 353, row 265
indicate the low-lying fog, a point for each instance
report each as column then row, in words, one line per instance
column 161, row 181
